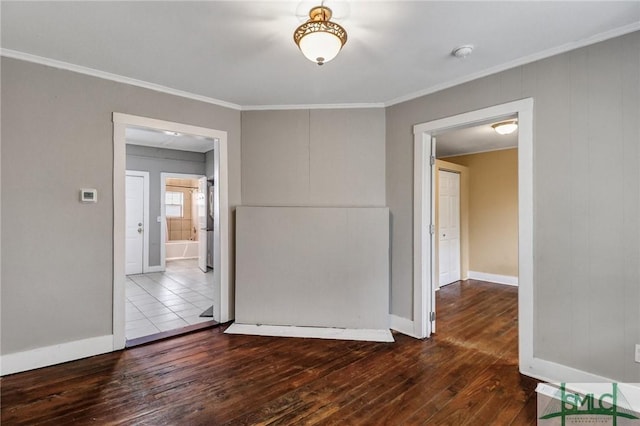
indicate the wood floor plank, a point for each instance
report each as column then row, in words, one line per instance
column 467, row 373
column 426, row 383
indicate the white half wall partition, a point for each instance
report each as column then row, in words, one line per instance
column 313, row 267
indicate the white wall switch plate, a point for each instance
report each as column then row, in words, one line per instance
column 637, row 352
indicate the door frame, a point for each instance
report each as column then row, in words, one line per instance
column 202, row 233
column 163, row 210
column 221, row 271
column 145, row 220
column 423, row 218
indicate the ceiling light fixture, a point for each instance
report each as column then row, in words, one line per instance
column 319, row 39
column 505, row 127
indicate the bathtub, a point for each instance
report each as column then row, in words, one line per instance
column 183, row 249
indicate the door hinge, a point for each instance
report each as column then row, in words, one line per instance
column 432, row 160
column 432, row 229
column 432, row 316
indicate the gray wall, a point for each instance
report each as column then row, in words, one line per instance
column 322, row 267
column 57, row 137
column 313, row 157
column 309, row 158
column 586, row 195
column 156, row 161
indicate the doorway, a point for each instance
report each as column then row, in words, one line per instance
column 425, row 281
column 476, row 206
column 220, row 273
column 180, row 296
column 187, row 219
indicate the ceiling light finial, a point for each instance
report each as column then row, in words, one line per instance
column 505, row 127
column 319, row 39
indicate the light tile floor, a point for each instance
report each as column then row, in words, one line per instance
column 163, row 301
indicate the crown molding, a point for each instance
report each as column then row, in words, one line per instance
column 519, row 62
column 312, row 106
column 15, row 54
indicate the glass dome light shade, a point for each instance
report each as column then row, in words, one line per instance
column 319, row 39
column 506, row 127
column 320, row 47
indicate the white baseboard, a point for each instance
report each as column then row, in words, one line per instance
column 552, row 372
column 55, row 354
column 493, row 278
column 401, row 325
column 368, row 335
column 50, row 355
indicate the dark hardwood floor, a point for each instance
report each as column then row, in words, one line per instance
column 465, row 374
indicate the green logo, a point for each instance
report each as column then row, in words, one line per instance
column 612, row 404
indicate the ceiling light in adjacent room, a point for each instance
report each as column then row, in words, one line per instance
column 319, row 39
column 505, row 127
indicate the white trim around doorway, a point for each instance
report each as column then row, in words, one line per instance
column 221, row 273
column 422, row 250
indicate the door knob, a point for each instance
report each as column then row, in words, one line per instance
column 139, row 230
column 139, row 223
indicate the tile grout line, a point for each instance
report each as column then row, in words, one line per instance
column 147, row 284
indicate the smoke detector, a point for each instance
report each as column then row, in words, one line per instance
column 463, row 51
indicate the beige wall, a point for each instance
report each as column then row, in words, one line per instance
column 493, row 211
column 464, row 214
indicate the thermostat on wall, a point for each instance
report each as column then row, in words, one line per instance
column 89, row 195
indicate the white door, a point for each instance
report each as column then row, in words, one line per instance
column 202, row 223
column 449, row 227
column 134, row 232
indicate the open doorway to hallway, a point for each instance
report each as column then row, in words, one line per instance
column 425, row 281
column 173, row 289
column 223, row 309
column 475, row 197
column 476, row 242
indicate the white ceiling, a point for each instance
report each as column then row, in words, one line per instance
column 474, row 139
column 160, row 139
column 242, row 52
